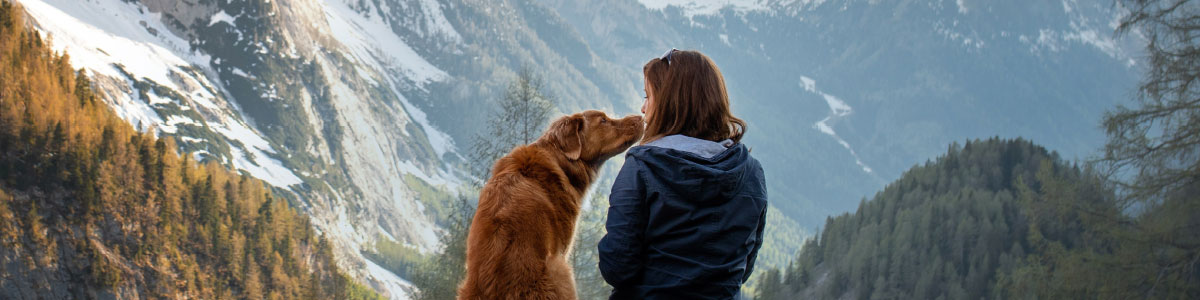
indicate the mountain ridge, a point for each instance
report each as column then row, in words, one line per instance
column 348, row 107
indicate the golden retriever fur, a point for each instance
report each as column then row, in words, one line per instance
column 521, row 235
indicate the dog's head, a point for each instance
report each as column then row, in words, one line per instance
column 591, row 136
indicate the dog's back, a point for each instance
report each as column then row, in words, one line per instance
column 520, row 237
column 520, row 234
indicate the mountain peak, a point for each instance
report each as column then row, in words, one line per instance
column 693, row 8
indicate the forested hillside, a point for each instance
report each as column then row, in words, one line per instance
column 951, row 229
column 997, row 219
column 1005, row 219
column 91, row 208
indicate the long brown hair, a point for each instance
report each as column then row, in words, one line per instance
column 689, row 99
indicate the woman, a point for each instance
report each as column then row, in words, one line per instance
column 688, row 208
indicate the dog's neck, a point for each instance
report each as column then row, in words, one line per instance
column 580, row 173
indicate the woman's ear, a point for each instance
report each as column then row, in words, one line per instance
column 570, row 136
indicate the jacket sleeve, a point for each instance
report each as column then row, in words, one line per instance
column 762, row 227
column 621, row 250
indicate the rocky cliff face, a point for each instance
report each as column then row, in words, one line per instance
column 311, row 96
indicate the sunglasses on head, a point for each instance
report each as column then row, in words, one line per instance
column 666, row 57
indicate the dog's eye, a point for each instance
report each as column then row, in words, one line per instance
column 603, row 120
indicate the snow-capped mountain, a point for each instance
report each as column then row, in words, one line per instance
column 308, row 95
column 845, row 95
column 353, row 108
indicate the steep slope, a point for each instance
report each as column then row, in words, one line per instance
column 954, row 228
column 307, row 95
column 91, row 208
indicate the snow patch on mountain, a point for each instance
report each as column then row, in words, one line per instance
column 155, row 99
column 1049, row 40
column 838, row 109
column 376, row 163
column 110, row 38
column 1084, row 28
column 373, row 43
column 441, row 142
column 221, row 16
column 239, row 72
column 435, row 19
column 693, row 8
column 264, row 167
column 170, row 126
column 88, row 47
column 950, row 32
column 393, row 284
column 135, row 112
column 439, row 178
column 257, row 163
column 97, row 35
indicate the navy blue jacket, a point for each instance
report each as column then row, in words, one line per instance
column 683, row 226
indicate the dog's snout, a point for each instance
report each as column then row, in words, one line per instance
column 634, row 118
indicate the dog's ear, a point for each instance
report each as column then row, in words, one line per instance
column 569, row 135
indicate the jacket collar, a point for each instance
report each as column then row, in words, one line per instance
column 700, row 147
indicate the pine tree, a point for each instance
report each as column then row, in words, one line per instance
column 252, row 281
column 520, row 117
column 585, row 257
column 446, row 269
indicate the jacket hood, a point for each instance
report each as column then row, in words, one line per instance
column 686, row 220
column 691, row 166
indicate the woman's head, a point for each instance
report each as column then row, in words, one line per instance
column 685, row 94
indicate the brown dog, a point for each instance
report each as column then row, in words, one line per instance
column 519, row 240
